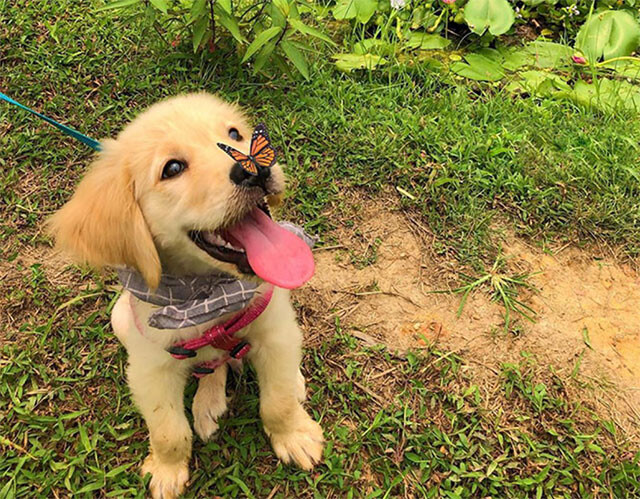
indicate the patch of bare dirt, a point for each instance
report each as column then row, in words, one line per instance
column 379, row 282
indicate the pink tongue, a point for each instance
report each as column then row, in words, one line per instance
column 275, row 254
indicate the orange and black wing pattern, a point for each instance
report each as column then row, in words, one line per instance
column 246, row 162
column 261, row 151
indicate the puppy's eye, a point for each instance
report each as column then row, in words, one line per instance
column 234, row 134
column 173, row 168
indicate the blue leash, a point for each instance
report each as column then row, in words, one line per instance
column 93, row 144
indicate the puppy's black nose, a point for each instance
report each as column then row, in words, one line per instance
column 240, row 176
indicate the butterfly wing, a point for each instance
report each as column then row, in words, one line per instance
column 245, row 161
column 261, row 149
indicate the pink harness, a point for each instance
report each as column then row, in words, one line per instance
column 220, row 337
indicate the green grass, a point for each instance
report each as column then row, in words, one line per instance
column 69, row 427
column 471, row 159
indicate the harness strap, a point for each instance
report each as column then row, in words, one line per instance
column 221, row 336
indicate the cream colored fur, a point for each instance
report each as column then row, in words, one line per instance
column 123, row 213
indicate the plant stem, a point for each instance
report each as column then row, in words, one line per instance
column 284, row 31
column 213, row 24
column 437, row 23
column 251, row 8
column 616, row 59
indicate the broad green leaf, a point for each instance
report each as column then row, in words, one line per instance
column 515, row 57
column 229, row 22
column 161, row 5
column 232, row 26
column 491, row 54
column 478, row 67
column 308, row 30
column 225, row 5
column 296, row 57
column 608, row 34
column 373, row 46
column 366, row 9
column 283, row 6
column 262, row 38
column 277, row 17
column 427, row 41
column 539, row 83
column 294, row 13
column 199, row 30
column 198, row 9
column 549, row 54
column 606, row 95
column 496, row 15
column 263, row 56
column 119, row 4
column 345, row 9
column 349, row 62
column 361, row 10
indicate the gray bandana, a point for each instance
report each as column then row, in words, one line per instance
column 192, row 300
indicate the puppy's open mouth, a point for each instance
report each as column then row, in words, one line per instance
column 258, row 245
column 220, row 246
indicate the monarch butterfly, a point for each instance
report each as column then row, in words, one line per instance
column 261, row 152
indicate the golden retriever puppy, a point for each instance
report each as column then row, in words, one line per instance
column 163, row 201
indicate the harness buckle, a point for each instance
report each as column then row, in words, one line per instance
column 240, row 350
column 178, row 352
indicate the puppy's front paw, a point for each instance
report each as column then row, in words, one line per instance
column 207, row 407
column 168, row 481
column 303, row 444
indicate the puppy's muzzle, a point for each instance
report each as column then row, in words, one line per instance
column 241, row 177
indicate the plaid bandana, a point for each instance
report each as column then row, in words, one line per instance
column 192, row 300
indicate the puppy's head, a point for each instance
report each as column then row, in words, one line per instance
column 161, row 195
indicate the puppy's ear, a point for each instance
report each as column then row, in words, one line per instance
column 102, row 223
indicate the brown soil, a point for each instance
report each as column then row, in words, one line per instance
column 380, row 280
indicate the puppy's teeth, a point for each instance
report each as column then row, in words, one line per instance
column 230, row 246
column 213, row 238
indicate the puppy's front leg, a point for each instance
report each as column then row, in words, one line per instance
column 210, row 402
column 276, row 358
column 158, row 391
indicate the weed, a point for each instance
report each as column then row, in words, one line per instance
column 504, row 288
